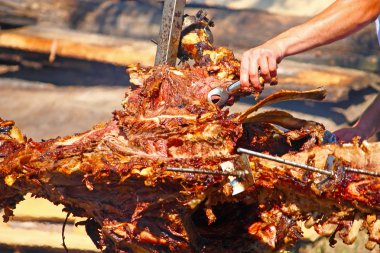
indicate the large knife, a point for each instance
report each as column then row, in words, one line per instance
column 170, row 32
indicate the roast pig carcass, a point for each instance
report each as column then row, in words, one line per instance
column 115, row 174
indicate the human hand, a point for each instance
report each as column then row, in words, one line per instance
column 259, row 61
column 348, row 133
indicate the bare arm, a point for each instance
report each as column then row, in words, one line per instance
column 365, row 127
column 339, row 20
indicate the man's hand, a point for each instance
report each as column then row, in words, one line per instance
column 339, row 20
column 259, row 61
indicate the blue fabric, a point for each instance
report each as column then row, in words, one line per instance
column 378, row 28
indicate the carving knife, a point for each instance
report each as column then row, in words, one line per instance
column 170, row 32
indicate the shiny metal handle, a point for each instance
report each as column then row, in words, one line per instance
column 233, row 88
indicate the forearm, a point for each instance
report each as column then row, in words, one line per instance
column 369, row 122
column 341, row 19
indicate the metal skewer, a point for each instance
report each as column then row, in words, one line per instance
column 303, row 166
column 238, row 173
column 365, row 172
column 283, row 161
column 243, row 173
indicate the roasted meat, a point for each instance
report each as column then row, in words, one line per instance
column 116, row 175
column 196, row 43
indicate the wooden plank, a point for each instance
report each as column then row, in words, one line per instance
column 40, row 234
column 242, row 28
column 38, row 209
column 38, row 223
column 29, row 8
column 72, row 44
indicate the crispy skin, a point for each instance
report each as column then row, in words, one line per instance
column 196, row 44
column 280, row 118
column 285, row 95
column 261, row 133
column 334, row 206
column 168, row 116
column 115, row 174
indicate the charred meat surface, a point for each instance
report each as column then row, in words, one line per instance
column 115, row 175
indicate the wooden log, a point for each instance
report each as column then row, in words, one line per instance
column 45, row 235
column 68, row 43
column 39, row 224
column 242, row 28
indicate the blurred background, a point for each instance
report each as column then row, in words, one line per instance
column 63, row 69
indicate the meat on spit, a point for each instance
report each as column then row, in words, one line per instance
column 115, row 175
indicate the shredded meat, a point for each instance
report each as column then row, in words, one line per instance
column 115, row 175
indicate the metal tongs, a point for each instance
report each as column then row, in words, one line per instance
column 219, row 96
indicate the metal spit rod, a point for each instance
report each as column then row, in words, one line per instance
column 365, row 172
column 170, row 32
column 238, row 173
column 283, row 161
column 243, row 173
column 303, row 166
